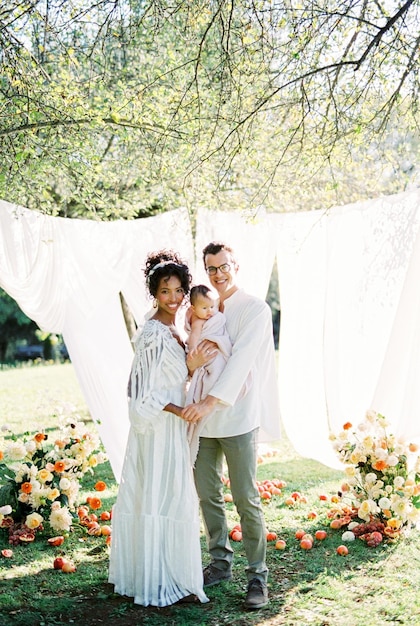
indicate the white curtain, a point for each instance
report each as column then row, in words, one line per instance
column 341, row 274
column 350, row 304
column 67, row 275
column 251, row 238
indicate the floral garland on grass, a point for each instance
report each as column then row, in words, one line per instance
column 382, row 483
column 40, row 480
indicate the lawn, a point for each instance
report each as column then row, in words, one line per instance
column 369, row 586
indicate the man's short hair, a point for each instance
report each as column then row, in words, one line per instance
column 214, row 247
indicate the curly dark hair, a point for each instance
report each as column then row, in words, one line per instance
column 164, row 264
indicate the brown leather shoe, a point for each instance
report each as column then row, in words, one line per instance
column 257, row 594
column 213, row 576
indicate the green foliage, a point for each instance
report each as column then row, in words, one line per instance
column 14, row 324
column 125, row 109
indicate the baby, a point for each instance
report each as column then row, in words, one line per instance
column 203, row 320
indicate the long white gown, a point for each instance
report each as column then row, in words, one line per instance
column 155, row 549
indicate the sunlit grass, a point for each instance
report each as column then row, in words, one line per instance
column 318, row 587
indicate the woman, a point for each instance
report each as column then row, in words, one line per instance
column 155, row 550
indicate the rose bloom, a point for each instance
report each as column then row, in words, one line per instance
column 5, row 510
column 23, row 497
column 16, row 451
column 60, row 518
column 384, row 503
column 59, row 466
column 380, row 454
column 408, row 491
column 379, row 465
column 399, row 482
column 371, row 477
column 44, row 476
column 371, row 416
column 367, row 508
column 53, row 494
column 392, row 460
column 26, row 487
column 64, row 483
column 357, row 456
column 30, row 447
column 368, row 443
column 348, row 535
column 93, row 460
column 34, row 520
column 350, row 470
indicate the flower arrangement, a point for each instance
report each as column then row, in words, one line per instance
column 382, row 478
column 40, row 480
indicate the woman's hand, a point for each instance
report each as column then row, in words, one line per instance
column 201, row 355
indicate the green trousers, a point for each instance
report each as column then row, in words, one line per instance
column 241, row 458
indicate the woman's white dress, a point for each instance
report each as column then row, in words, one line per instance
column 155, row 548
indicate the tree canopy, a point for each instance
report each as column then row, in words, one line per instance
column 123, row 108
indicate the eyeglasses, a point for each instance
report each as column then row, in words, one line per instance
column 211, row 271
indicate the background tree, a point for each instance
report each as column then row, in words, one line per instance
column 124, row 108
column 14, row 325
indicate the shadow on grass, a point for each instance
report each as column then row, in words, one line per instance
column 86, row 599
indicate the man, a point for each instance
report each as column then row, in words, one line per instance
column 233, row 428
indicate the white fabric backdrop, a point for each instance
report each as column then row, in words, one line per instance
column 67, row 274
column 341, row 275
column 350, row 307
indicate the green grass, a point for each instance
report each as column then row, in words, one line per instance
column 317, row 587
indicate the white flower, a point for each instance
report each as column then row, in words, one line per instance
column 34, row 520
column 392, row 460
column 16, row 451
column 371, row 416
column 352, row 525
column 60, row 518
column 371, row 478
column 398, row 482
column 367, row 508
column 348, row 535
column 64, row 484
column 384, row 503
column 5, row 510
column 30, row 446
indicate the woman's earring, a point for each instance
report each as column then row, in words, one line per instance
column 155, row 303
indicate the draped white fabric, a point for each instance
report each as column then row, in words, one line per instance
column 67, row 274
column 350, row 330
column 341, row 274
column 253, row 240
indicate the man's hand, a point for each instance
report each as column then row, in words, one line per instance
column 201, row 355
column 193, row 413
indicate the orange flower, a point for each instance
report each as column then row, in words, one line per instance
column 95, row 503
column 59, row 443
column 413, row 447
column 59, row 466
column 347, row 426
column 40, row 437
column 1, row 456
column 26, row 487
column 100, row 485
column 379, row 466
